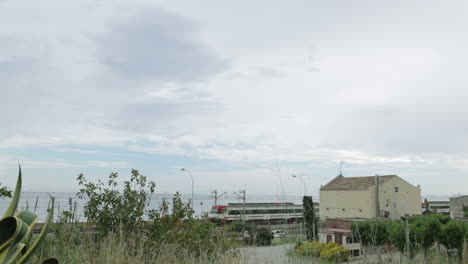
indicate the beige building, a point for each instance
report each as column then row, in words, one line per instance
column 459, row 208
column 358, row 197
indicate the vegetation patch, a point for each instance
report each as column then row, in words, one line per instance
column 330, row 252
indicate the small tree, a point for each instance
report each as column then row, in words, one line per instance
column 443, row 219
column 425, row 230
column 310, row 219
column 454, row 235
column 396, row 234
column 110, row 208
column 361, row 231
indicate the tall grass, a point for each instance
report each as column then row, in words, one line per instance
column 85, row 247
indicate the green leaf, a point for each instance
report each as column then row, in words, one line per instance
column 41, row 236
column 10, row 211
column 13, row 253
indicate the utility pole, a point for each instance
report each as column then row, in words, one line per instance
column 241, row 196
column 407, row 238
column 377, row 209
column 216, row 196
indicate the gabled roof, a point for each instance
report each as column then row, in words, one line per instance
column 354, row 183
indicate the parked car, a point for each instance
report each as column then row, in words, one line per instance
column 278, row 233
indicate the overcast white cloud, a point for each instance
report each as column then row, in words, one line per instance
column 304, row 84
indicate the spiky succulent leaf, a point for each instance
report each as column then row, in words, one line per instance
column 33, row 247
column 10, row 211
column 12, row 254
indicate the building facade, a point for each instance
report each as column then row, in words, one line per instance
column 339, row 231
column 440, row 207
column 387, row 196
column 459, row 208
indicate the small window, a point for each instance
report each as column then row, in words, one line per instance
column 349, row 240
column 396, row 189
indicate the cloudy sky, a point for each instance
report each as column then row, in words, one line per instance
column 244, row 94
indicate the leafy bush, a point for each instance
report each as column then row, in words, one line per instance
column 453, row 236
column 331, row 252
column 179, row 227
column 334, row 253
column 264, row 236
column 109, row 208
column 113, row 210
column 258, row 236
column 309, row 248
column 240, row 227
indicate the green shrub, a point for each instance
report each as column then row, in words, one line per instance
column 257, row 236
column 334, row 253
column 309, row 248
column 264, row 236
column 454, row 234
column 121, row 212
column 109, row 208
column 240, row 227
column 178, row 227
column 328, row 251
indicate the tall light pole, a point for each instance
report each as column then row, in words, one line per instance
column 191, row 176
column 303, row 182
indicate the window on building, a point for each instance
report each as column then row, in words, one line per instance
column 396, row 189
column 349, row 240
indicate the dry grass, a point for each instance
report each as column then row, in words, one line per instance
column 113, row 250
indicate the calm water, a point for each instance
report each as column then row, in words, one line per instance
column 202, row 203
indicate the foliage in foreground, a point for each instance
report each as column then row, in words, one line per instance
column 110, row 209
column 84, row 248
column 331, row 252
column 122, row 213
column 16, row 231
column 258, row 236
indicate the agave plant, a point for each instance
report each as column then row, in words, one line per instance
column 16, row 246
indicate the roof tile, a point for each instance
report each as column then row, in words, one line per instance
column 354, row 183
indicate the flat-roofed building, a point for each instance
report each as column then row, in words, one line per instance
column 441, row 207
column 386, row 196
column 459, row 208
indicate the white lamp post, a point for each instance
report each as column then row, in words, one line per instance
column 191, row 176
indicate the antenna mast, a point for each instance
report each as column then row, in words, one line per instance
column 341, row 167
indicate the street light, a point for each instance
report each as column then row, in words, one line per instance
column 191, row 176
column 303, row 182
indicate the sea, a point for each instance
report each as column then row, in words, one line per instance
column 38, row 202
